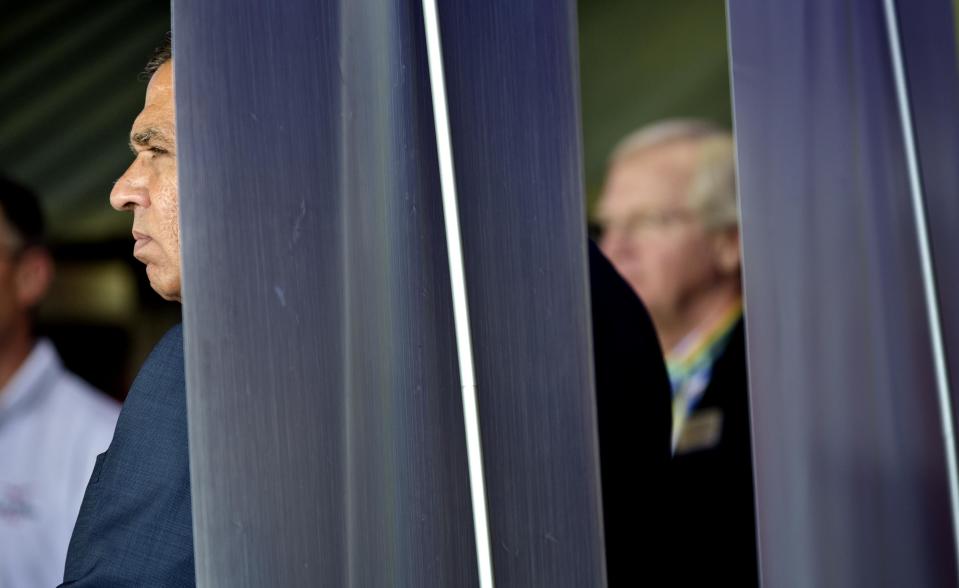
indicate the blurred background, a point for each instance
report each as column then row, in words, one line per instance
column 70, row 87
column 69, row 90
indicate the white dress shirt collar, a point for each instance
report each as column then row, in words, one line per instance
column 42, row 364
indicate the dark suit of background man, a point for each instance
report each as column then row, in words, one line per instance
column 670, row 222
column 134, row 527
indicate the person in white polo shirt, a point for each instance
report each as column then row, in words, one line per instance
column 52, row 423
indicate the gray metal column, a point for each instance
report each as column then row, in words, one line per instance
column 326, row 425
column 512, row 79
column 851, row 428
column 928, row 49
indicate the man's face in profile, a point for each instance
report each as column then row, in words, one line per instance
column 148, row 188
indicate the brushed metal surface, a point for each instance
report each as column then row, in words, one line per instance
column 326, row 430
column 512, row 82
column 928, row 39
column 850, row 459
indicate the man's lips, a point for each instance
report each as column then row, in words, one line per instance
column 142, row 241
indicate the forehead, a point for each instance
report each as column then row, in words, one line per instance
column 158, row 106
column 654, row 177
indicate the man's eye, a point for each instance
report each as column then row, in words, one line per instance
column 158, row 151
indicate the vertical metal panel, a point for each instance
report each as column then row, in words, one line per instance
column 848, row 443
column 511, row 72
column 928, row 45
column 406, row 489
column 326, row 430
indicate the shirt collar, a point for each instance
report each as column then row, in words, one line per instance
column 704, row 343
column 42, row 363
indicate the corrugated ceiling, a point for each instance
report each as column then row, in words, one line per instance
column 69, row 90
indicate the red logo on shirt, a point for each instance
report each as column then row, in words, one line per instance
column 14, row 506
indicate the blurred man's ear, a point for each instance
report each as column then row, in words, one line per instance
column 34, row 275
column 726, row 248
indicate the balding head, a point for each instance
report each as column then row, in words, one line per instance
column 712, row 187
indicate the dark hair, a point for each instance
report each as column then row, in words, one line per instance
column 161, row 55
column 20, row 207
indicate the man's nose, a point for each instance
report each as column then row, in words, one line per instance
column 613, row 241
column 132, row 189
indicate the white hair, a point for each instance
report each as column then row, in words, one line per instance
column 712, row 191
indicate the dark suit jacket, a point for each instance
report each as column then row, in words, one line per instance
column 634, row 409
column 135, row 526
column 714, row 516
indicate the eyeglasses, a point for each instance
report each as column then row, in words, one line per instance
column 650, row 222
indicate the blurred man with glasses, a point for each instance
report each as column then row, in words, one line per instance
column 670, row 226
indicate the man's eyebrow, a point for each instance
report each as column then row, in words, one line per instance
column 148, row 137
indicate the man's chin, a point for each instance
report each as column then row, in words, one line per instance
column 167, row 288
column 167, row 295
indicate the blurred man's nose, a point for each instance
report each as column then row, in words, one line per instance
column 614, row 242
column 131, row 190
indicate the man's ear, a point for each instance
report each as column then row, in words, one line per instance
column 33, row 277
column 726, row 249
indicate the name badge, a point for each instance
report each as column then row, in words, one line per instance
column 702, row 430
